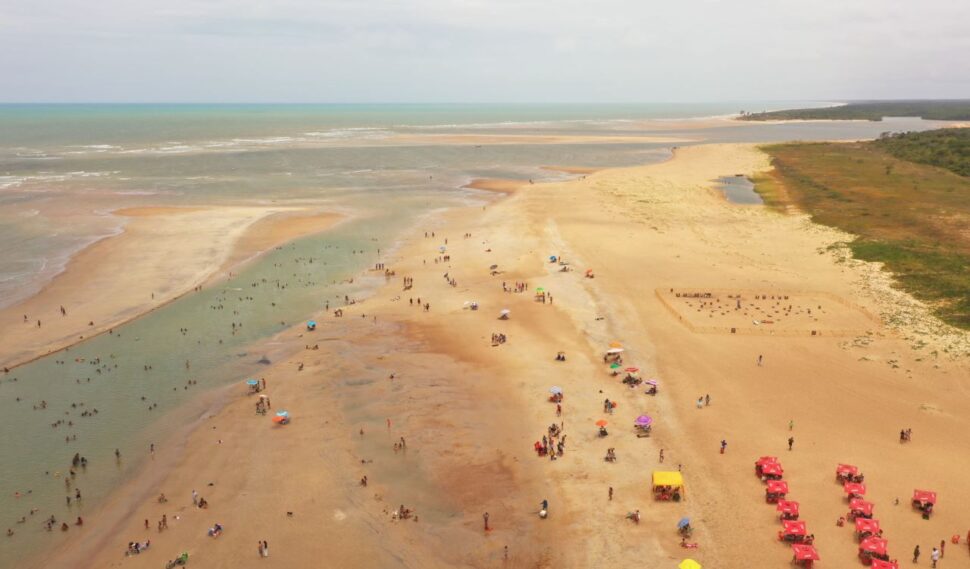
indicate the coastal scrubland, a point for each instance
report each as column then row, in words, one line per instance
column 944, row 110
column 902, row 196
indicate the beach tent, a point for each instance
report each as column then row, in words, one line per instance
column 854, row 489
column 880, row 564
column 772, row 470
column 804, row 552
column 921, row 497
column 866, row 525
column 788, row 509
column 860, row 508
column 689, row 564
column 672, row 479
column 796, row 528
column 777, row 487
column 844, row 471
column 874, row 546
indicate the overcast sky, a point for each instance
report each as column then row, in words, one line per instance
column 482, row 50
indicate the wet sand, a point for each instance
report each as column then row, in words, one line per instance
column 470, row 410
column 162, row 253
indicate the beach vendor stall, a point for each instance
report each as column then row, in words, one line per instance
column 775, row 490
column 668, row 485
column 846, row 473
column 642, row 424
column 804, row 555
column 788, row 510
column 854, row 490
column 311, row 325
column 860, row 508
column 795, row 531
column 282, row 418
column 865, row 527
column 772, row 471
column 761, row 462
column 253, row 385
column 881, row 564
column 873, row 548
column 924, row 501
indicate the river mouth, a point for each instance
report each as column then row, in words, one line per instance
column 739, row 190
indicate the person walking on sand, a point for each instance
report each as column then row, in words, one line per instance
column 916, row 554
column 611, row 493
column 934, row 556
column 942, row 548
column 661, row 456
column 265, row 548
column 485, row 519
column 760, row 359
column 791, row 441
column 791, row 424
column 723, row 446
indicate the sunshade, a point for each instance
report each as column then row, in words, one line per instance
column 777, row 487
column 787, row 507
column 632, row 369
column 804, row 552
column 684, row 522
column 875, row 545
column 601, row 423
column 667, row 478
column 442, row 248
column 614, row 351
column 866, row 524
column 263, row 396
column 614, row 365
column 860, row 505
column 311, row 323
column 651, row 382
column 880, row 564
column 552, row 257
column 772, row 469
column 282, row 413
column 689, row 564
column 505, row 311
column 924, row 496
column 644, row 420
column 540, row 289
column 493, row 267
column 555, row 390
column 794, row 527
column 765, row 460
column 252, row 382
column 856, row 488
column 846, row 469
column 615, row 344
column 279, row 419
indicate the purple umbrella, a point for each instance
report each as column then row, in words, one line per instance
column 644, row 421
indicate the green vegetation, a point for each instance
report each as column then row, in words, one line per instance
column 944, row 110
column 909, row 216
column 947, row 148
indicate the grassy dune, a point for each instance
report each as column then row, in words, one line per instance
column 912, row 217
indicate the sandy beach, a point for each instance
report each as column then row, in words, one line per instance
column 162, row 253
column 441, row 417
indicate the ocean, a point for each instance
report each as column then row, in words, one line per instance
column 64, row 168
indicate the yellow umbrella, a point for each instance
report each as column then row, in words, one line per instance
column 615, row 344
column 689, row 564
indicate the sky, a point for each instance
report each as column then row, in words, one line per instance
column 482, row 50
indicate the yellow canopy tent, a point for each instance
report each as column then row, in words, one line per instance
column 689, row 564
column 668, row 485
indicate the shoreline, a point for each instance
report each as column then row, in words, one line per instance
column 273, row 228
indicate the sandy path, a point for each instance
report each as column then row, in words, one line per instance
column 470, row 411
column 162, row 253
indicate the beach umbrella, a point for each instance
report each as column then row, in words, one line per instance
column 252, row 382
column 614, row 365
column 505, row 312
column 493, row 267
column 689, row 564
column 552, row 258
column 283, row 414
column 311, row 323
column 540, row 289
column 615, row 344
column 614, row 351
column 555, row 390
column 279, row 420
column 684, row 522
column 601, row 423
column 632, row 369
column 442, row 248
column 651, row 382
column 263, row 396
column 644, row 420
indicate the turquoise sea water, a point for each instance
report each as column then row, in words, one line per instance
column 63, row 168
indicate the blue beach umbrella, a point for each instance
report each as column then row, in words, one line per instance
column 684, row 522
column 282, row 413
column 252, row 382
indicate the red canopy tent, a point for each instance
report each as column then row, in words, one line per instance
column 874, row 546
column 865, row 525
column 921, row 497
column 772, row 470
column 788, row 509
column 775, row 489
column 761, row 462
column 853, row 489
column 793, row 531
column 844, row 471
column 804, row 552
column 859, row 508
column 880, row 564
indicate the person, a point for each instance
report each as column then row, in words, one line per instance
column 760, row 359
column 661, row 456
column 791, row 425
column 545, row 505
column 791, row 441
column 942, row 548
column 723, row 446
column 611, row 493
column 707, row 400
column 700, row 402
column 934, row 556
column 265, row 548
column 916, row 554
column 485, row 518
